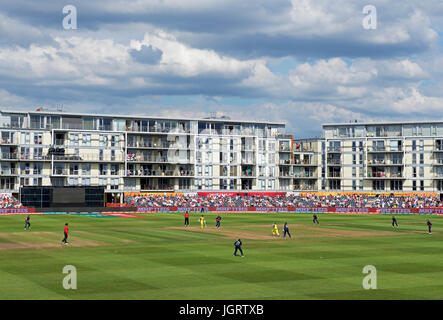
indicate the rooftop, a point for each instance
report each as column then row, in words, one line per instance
column 62, row 113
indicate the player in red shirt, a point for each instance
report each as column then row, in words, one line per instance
column 66, row 232
column 186, row 219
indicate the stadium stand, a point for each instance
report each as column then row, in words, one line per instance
column 310, row 200
column 8, row 201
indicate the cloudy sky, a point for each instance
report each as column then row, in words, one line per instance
column 304, row 62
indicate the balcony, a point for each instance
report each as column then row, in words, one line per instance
column 304, row 175
column 159, row 173
column 385, row 175
column 334, row 149
column 298, row 162
column 248, row 174
column 333, row 162
column 438, row 146
column 285, row 149
column 9, row 172
column 60, row 172
column 59, row 142
column 334, row 175
column 9, row 156
column 304, row 187
column 390, row 149
column 7, row 141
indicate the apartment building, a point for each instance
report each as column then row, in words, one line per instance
column 388, row 157
column 300, row 164
column 137, row 153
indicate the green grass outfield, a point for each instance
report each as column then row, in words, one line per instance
column 156, row 258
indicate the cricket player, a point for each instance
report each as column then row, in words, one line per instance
column 286, row 230
column 27, row 223
column 394, row 222
column 237, row 245
column 315, row 219
column 429, row 226
column 275, row 230
column 66, row 232
column 202, row 222
column 217, row 222
column 186, row 219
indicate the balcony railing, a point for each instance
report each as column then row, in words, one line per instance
column 334, row 175
column 334, row 162
column 334, row 149
column 304, row 175
column 159, row 173
column 59, row 142
column 302, row 162
column 7, row 141
column 10, row 172
column 385, row 175
column 304, row 187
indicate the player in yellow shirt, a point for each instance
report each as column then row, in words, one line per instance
column 202, row 221
column 275, row 230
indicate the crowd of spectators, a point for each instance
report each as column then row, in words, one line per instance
column 8, row 201
column 310, row 200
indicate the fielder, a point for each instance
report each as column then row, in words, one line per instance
column 217, row 222
column 27, row 223
column 429, row 226
column 286, row 230
column 237, row 245
column 394, row 222
column 275, row 230
column 202, row 222
column 315, row 219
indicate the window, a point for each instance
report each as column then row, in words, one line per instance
column 414, row 185
column 422, row 158
column 38, row 138
column 422, row 185
column 422, row 145
column 378, row 185
column 87, row 181
column 25, row 138
column 38, row 153
column 396, row 185
column 86, row 139
column 354, row 146
column 73, row 181
column 103, row 169
column 38, row 168
column 114, row 169
column 73, row 169
column 37, row 181
column 25, row 168
column 86, row 169
column 114, row 183
column 354, row 185
column 73, row 139
column 414, row 145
